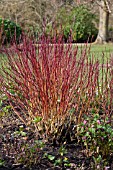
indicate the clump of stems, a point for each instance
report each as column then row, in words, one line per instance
column 46, row 81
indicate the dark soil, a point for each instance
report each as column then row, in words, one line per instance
column 16, row 156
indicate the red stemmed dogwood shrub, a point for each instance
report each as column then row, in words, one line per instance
column 49, row 83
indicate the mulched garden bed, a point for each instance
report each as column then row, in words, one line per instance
column 48, row 157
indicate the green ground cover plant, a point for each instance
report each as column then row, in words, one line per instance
column 52, row 91
column 96, row 134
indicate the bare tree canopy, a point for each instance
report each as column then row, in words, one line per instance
column 29, row 12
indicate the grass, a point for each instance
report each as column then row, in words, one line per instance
column 102, row 48
column 98, row 50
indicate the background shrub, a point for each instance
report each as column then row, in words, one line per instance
column 83, row 26
column 80, row 20
column 8, row 29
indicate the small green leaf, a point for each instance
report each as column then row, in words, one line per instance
column 66, row 160
column 37, row 119
column 72, row 110
column 12, row 92
column 33, row 150
column 92, row 130
column 1, row 162
column 67, row 164
column 87, row 134
column 58, row 162
column 23, row 133
column 51, row 157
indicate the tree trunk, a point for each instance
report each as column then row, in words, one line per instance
column 103, row 23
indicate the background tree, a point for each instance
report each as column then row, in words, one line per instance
column 104, row 9
column 104, row 12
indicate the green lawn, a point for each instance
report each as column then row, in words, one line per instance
column 99, row 50
column 96, row 50
column 102, row 48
